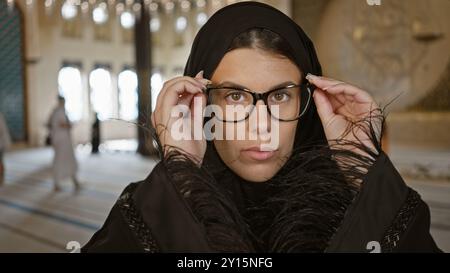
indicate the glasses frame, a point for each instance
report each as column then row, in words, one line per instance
column 264, row 96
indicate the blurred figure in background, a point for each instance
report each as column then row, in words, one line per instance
column 95, row 135
column 5, row 141
column 64, row 161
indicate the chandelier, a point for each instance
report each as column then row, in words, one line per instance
column 127, row 11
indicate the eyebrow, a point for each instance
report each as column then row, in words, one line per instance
column 236, row 85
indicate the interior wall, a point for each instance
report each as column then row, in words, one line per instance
column 46, row 49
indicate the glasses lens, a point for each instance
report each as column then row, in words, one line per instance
column 234, row 104
column 286, row 104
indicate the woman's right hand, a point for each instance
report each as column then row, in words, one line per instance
column 180, row 91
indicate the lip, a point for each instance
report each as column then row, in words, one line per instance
column 257, row 154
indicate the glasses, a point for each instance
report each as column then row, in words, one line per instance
column 286, row 103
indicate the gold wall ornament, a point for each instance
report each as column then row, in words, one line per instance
column 395, row 48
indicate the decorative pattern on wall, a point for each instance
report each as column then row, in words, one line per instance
column 11, row 71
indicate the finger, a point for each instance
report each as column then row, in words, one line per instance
column 334, row 86
column 340, row 108
column 175, row 82
column 347, row 106
column 321, row 82
column 323, row 105
column 184, row 78
column 335, row 101
column 185, row 99
column 204, row 81
column 172, row 94
column 350, row 91
column 159, row 98
column 169, row 84
column 340, row 98
column 178, row 78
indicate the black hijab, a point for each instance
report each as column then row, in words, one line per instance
column 212, row 43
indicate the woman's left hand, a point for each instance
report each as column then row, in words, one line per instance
column 339, row 105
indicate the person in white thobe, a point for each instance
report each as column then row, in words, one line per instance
column 64, row 161
column 5, row 142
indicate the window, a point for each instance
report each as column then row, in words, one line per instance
column 101, row 93
column 157, row 84
column 128, row 96
column 70, row 87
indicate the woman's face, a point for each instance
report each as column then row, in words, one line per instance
column 258, row 71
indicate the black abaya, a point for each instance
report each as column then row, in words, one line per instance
column 152, row 216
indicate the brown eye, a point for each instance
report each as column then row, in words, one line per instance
column 280, row 96
column 235, row 97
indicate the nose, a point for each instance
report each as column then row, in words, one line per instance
column 259, row 121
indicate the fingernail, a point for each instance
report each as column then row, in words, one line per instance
column 311, row 77
column 199, row 74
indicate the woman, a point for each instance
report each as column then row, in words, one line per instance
column 325, row 186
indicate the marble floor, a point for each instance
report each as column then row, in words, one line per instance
column 35, row 219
